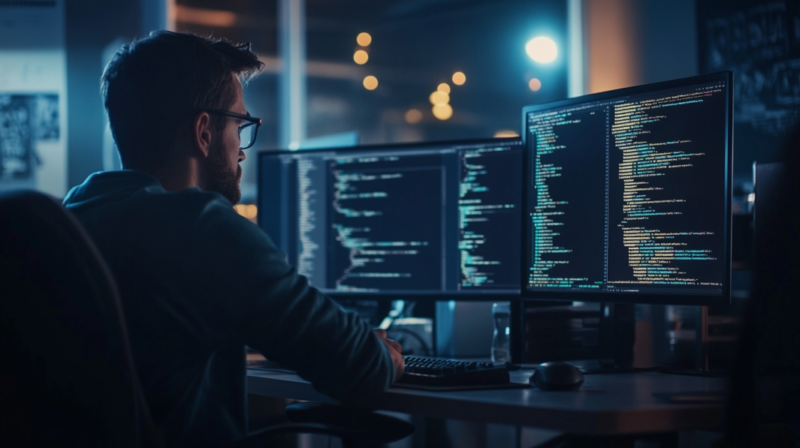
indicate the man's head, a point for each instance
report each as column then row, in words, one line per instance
column 158, row 92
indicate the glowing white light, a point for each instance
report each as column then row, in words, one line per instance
column 542, row 49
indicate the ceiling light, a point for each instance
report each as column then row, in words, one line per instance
column 542, row 49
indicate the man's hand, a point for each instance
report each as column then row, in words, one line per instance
column 395, row 350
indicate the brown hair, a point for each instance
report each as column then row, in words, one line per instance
column 153, row 84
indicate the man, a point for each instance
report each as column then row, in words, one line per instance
column 198, row 282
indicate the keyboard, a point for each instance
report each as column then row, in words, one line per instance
column 438, row 372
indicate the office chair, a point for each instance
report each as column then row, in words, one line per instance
column 67, row 376
column 765, row 382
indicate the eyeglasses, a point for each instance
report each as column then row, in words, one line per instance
column 247, row 131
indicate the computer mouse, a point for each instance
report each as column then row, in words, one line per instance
column 557, row 376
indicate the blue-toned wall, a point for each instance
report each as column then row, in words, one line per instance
column 91, row 26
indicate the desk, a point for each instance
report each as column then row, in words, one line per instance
column 614, row 404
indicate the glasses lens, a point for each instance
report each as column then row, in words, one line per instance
column 246, row 136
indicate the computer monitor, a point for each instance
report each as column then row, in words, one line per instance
column 437, row 221
column 627, row 195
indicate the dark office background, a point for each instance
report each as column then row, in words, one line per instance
column 416, row 45
column 760, row 43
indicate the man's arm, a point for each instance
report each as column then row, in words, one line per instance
column 291, row 322
column 337, row 351
column 396, row 350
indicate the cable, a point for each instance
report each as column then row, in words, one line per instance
column 415, row 336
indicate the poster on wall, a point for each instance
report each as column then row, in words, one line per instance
column 24, row 121
column 33, row 149
column 760, row 42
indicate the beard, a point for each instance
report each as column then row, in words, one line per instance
column 222, row 179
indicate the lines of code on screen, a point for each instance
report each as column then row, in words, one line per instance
column 628, row 194
column 489, row 217
column 378, row 241
column 428, row 219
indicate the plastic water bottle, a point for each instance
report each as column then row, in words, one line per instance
column 501, row 315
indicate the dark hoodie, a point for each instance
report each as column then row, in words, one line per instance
column 198, row 283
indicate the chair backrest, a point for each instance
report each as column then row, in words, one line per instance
column 66, row 376
column 765, row 381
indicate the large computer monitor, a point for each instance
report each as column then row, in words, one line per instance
column 437, row 221
column 627, row 195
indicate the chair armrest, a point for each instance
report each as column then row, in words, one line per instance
column 369, row 426
column 261, row 437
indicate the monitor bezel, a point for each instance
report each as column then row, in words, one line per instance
column 488, row 296
column 642, row 298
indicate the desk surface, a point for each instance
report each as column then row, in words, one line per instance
column 605, row 405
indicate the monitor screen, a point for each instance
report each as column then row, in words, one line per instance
column 405, row 221
column 627, row 195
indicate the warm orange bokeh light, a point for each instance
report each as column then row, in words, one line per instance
column 370, row 83
column 413, row 116
column 442, row 111
column 364, row 39
column 361, row 57
column 438, row 97
column 249, row 211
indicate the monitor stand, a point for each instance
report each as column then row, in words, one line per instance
column 600, row 334
column 617, row 332
column 702, row 363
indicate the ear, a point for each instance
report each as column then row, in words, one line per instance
column 201, row 133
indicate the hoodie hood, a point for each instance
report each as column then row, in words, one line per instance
column 111, row 186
